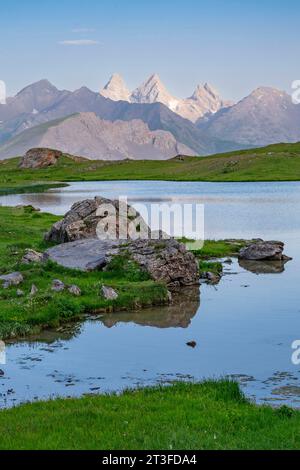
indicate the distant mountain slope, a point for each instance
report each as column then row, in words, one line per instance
column 156, row 116
column 88, row 136
column 204, row 99
column 264, row 117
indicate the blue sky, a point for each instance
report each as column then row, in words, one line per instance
column 234, row 45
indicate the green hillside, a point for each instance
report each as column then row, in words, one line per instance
column 280, row 162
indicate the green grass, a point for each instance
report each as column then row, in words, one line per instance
column 214, row 267
column 24, row 228
column 279, row 162
column 211, row 415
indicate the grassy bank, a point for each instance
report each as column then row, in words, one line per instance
column 280, row 162
column 24, row 228
column 211, row 415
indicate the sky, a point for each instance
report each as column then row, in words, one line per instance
column 235, row 45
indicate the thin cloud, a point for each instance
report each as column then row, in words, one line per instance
column 83, row 30
column 79, row 42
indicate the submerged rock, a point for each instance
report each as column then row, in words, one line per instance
column 12, row 279
column 263, row 250
column 40, row 158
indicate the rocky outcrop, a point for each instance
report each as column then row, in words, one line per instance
column 37, row 158
column 82, row 220
column 264, row 251
column 165, row 261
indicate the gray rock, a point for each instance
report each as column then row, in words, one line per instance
column 32, row 256
column 109, row 293
column 263, row 250
column 166, row 261
column 34, row 290
column 57, row 285
column 20, row 293
column 12, row 279
column 85, row 255
column 74, row 290
column 82, row 220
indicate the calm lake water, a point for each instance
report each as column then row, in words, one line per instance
column 244, row 327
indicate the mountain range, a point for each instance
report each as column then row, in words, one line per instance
column 210, row 124
column 204, row 100
column 86, row 135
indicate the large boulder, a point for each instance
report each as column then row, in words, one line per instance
column 166, row 261
column 263, row 251
column 40, row 158
column 84, row 216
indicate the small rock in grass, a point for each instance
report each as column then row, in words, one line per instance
column 34, row 290
column 20, row 293
column 12, row 279
column 74, row 290
column 191, row 344
column 32, row 256
column 57, row 285
column 109, row 293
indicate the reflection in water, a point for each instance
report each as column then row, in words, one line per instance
column 177, row 315
column 263, row 267
column 64, row 333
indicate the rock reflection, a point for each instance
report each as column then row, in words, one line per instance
column 263, row 267
column 176, row 315
column 47, row 199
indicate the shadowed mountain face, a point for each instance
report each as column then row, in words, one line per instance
column 86, row 135
column 62, row 104
column 264, row 117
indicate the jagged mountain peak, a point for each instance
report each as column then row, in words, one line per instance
column 116, row 89
column 153, row 90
